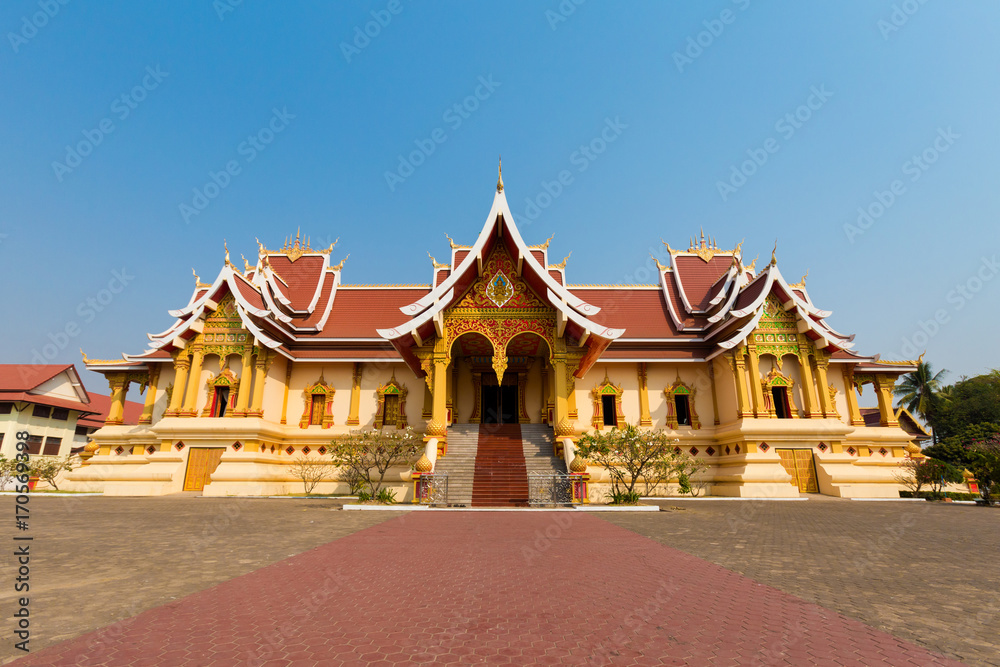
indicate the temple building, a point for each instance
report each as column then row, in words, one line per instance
column 272, row 360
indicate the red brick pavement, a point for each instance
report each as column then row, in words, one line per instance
column 519, row 588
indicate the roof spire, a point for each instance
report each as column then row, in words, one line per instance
column 500, row 175
column 226, row 246
column 774, row 254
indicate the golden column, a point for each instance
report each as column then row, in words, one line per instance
column 284, row 393
column 545, row 391
column 243, row 392
column 715, row 393
column 738, row 363
column 118, row 382
column 354, row 418
column 182, row 364
column 147, row 409
column 645, row 419
column 755, row 388
column 260, row 372
column 822, row 363
column 884, row 385
column 852, row 398
column 808, row 384
column 194, row 383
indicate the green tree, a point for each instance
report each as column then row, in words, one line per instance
column 364, row 454
column 916, row 392
column 956, row 448
column 633, row 456
column 973, row 400
column 936, row 474
column 985, row 466
column 47, row 468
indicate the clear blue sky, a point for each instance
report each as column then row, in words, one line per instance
column 883, row 88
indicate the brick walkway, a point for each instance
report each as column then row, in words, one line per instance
column 490, row 588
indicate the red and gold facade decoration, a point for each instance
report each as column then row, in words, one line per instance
column 607, row 388
column 312, row 393
column 500, row 308
column 675, row 393
column 226, row 379
column 391, row 409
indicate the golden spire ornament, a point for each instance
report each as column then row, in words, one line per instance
column 500, row 176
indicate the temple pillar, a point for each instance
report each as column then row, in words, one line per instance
column 454, row 393
column 243, row 391
column 808, row 385
column 118, row 382
column 738, row 363
column 571, row 399
column 853, row 412
column 259, row 374
column 354, row 417
column 182, row 364
column 715, row 393
column 545, row 392
column 564, row 426
column 756, row 392
column 824, row 383
column 437, row 426
column 147, row 409
column 284, row 396
column 645, row 419
column 884, row 385
column 194, row 384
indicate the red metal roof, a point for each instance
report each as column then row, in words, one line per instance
column 25, row 377
column 697, row 276
column 358, row 312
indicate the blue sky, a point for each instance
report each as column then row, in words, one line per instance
column 829, row 102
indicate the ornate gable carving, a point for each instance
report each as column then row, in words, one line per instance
column 499, row 286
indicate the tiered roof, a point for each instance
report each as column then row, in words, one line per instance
column 293, row 301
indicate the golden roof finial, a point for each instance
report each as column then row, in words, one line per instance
column 226, row 246
column 543, row 246
column 435, row 263
column 246, row 264
column 562, row 264
column 85, row 360
column 774, row 254
column 753, row 266
column 669, row 249
column 340, row 266
column 500, row 175
column 658, row 265
column 703, row 237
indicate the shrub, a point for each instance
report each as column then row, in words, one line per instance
column 362, row 454
column 386, row 497
column 310, row 471
column 47, row 468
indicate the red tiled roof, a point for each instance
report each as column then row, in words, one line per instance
column 750, row 293
column 556, row 276
column 641, row 312
column 302, row 276
column 102, row 405
column 23, row 396
column 697, row 276
column 249, row 292
column 25, row 377
column 357, row 313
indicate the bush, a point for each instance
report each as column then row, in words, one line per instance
column 364, row 496
column 385, row 497
column 624, row 498
column 363, row 453
column 47, row 468
column 930, row 495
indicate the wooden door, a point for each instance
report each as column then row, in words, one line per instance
column 202, row 462
column 799, row 464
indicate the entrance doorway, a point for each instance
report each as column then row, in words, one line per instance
column 499, row 404
column 799, row 464
column 202, row 462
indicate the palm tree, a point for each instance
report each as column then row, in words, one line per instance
column 917, row 390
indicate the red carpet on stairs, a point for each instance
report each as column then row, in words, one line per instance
column 501, row 478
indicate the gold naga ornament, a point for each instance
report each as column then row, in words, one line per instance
column 500, row 290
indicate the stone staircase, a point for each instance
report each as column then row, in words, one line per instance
column 488, row 465
column 460, row 463
column 501, row 478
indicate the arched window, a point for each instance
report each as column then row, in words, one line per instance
column 391, row 409
column 680, row 406
column 318, row 408
column 607, row 405
column 222, row 389
column 778, row 396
